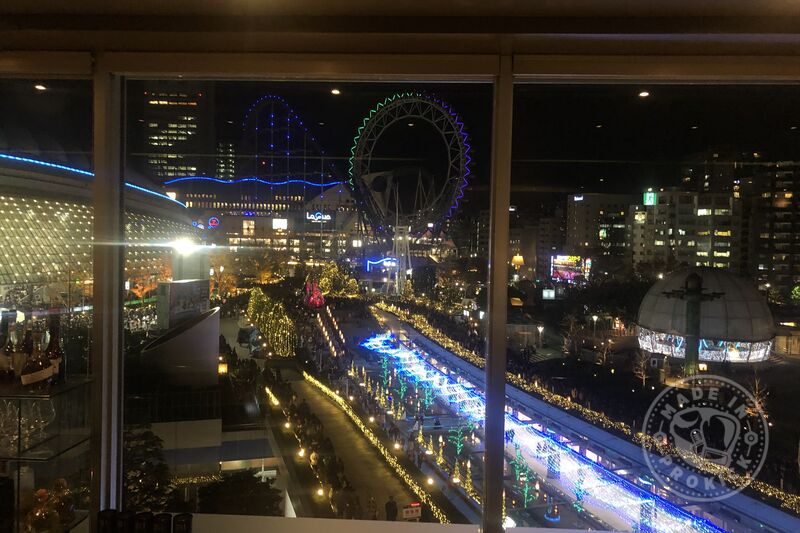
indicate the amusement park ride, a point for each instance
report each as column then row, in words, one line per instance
column 379, row 193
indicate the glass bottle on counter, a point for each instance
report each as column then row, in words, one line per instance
column 7, row 356
column 37, row 370
column 54, row 351
column 42, row 518
column 20, row 356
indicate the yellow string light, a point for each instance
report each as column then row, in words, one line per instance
column 401, row 472
column 420, row 323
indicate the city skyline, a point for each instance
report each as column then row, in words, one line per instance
column 576, row 138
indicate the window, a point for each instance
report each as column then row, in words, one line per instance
column 248, row 228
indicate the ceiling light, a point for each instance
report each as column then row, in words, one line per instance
column 336, row 92
column 410, row 124
column 644, row 94
column 40, row 87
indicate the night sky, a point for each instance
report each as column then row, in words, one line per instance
column 642, row 142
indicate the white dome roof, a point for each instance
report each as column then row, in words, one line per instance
column 740, row 314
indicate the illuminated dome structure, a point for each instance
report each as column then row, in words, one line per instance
column 46, row 213
column 736, row 324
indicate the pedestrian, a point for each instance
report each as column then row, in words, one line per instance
column 391, row 509
column 372, row 508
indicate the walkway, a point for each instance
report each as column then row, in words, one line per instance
column 362, row 465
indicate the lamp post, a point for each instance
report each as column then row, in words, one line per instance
column 541, row 329
column 594, row 326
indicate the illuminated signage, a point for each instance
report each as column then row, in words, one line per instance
column 280, row 223
column 213, row 222
column 386, row 262
column 318, row 217
column 650, row 198
column 548, row 294
column 570, row 268
column 578, row 198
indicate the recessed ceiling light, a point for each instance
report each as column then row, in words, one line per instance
column 40, row 87
column 411, row 124
column 644, row 94
column 336, row 92
column 598, row 126
column 694, row 127
column 321, row 123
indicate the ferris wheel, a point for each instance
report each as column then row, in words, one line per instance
column 400, row 205
column 434, row 197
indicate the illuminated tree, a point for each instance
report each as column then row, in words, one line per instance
column 760, row 394
column 641, row 365
column 272, row 320
column 458, row 435
column 603, row 354
column 795, row 296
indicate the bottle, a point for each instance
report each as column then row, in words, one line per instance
column 42, row 518
column 37, row 370
column 27, row 339
column 7, row 357
column 63, row 502
column 19, row 357
column 54, row 352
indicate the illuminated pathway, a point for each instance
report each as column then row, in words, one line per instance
column 611, row 498
column 739, row 512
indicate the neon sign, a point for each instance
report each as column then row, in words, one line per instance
column 386, row 262
column 318, row 217
column 578, row 198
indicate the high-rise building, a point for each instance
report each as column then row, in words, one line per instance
column 775, row 226
column 596, row 223
column 676, row 228
column 175, row 134
column 226, row 160
column 549, row 241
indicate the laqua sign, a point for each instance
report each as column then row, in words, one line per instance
column 318, row 217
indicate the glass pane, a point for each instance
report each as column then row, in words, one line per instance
column 291, row 228
column 45, row 302
column 652, row 259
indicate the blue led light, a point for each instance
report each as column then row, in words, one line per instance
column 252, row 179
column 45, row 164
column 154, row 193
column 386, row 261
column 610, row 496
column 38, row 162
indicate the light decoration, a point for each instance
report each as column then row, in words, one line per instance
column 387, row 454
column 418, row 322
column 335, row 324
column 82, row 172
column 274, row 323
column 272, row 398
column 709, row 350
column 254, row 179
column 609, row 496
column 201, row 479
column 385, row 262
column 326, row 334
column 439, row 108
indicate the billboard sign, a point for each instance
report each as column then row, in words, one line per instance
column 570, row 268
